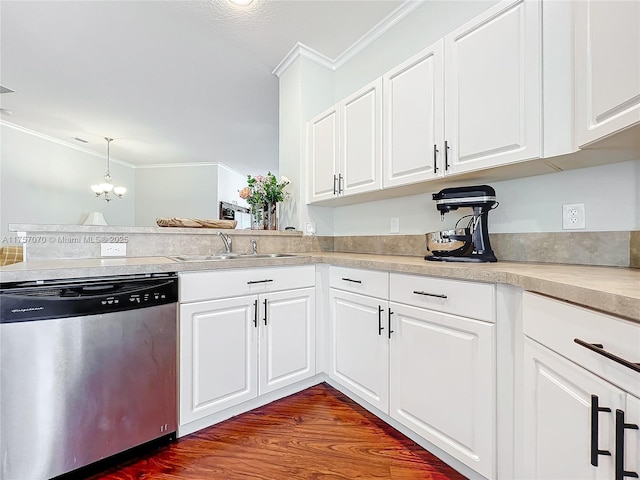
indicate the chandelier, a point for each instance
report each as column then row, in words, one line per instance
column 106, row 188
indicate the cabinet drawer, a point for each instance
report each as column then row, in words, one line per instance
column 467, row 299
column 210, row 285
column 556, row 324
column 365, row 282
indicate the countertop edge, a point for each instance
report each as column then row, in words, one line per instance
column 544, row 280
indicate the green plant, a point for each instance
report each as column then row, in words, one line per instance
column 264, row 189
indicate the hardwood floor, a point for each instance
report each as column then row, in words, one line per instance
column 317, row 434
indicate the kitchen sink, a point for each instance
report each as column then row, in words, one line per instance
column 229, row 256
column 200, row 258
column 269, row 255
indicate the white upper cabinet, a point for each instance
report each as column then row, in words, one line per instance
column 493, row 88
column 345, row 146
column 414, row 118
column 607, row 59
column 361, row 141
column 324, row 155
column 471, row 101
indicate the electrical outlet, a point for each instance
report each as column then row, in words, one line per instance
column 113, row 249
column 395, row 225
column 573, row 216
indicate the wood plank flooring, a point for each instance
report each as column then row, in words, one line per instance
column 317, row 434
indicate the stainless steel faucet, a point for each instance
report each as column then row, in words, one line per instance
column 227, row 241
column 254, row 246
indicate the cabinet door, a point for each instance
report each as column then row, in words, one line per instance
column 442, row 382
column 631, row 459
column 361, row 140
column 359, row 346
column 607, row 73
column 287, row 338
column 324, row 155
column 414, row 119
column 492, row 88
column 218, row 363
column 557, row 418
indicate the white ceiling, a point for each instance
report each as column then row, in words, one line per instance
column 170, row 81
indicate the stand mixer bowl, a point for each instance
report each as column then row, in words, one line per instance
column 454, row 242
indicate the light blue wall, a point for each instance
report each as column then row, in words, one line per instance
column 48, row 182
column 532, row 204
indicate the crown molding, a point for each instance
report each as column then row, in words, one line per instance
column 175, row 165
column 51, row 139
column 189, row 164
column 301, row 50
column 111, row 159
column 384, row 25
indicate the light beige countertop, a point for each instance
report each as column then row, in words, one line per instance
column 612, row 290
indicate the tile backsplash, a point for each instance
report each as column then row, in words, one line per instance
column 620, row 249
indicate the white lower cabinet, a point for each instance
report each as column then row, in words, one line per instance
column 360, row 347
column 218, row 356
column 580, row 408
column 287, row 338
column 559, row 399
column 442, row 382
column 235, row 349
column 414, row 356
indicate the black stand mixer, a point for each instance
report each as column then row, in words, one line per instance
column 468, row 244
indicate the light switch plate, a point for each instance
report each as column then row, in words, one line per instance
column 395, row 225
column 310, row 228
column 113, row 249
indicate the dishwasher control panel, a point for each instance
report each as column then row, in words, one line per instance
column 59, row 299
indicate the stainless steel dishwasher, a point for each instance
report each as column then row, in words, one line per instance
column 88, row 370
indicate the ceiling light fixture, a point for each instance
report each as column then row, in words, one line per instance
column 242, row 3
column 105, row 188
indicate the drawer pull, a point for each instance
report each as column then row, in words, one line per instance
column 351, row 280
column 599, row 349
column 620, row 428
column 427, row 294
column 380, row 327
column 595, row 410
column 251, row 282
